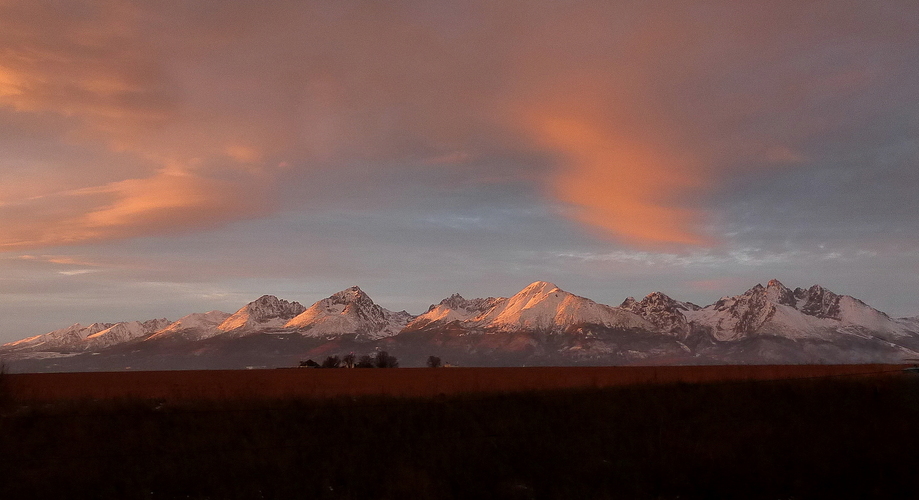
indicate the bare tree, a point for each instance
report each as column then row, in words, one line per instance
column 331, row 362
column 364, row 362
column 384, row 360
column 348, row 360
column 434, row 362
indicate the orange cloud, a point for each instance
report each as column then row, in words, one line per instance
column 623, row 185
column 10, row 84
column 166, row 202
column 152, row 163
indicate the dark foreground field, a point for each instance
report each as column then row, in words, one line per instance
column 404, row 382
column 821, row 437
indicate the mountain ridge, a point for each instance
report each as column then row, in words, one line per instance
column 541, row 321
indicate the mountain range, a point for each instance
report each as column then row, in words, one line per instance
column 540, row 325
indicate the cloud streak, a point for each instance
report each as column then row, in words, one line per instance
column 627, row 188
column 132, row 207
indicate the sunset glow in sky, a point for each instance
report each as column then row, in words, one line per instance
column 162, row 158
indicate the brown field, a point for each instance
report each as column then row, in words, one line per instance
column 402, row 382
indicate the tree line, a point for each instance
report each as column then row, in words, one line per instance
column 381, row 359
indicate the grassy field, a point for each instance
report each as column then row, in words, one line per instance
column 821, row 437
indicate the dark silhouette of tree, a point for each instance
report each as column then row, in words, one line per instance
column 434, row 362
column 331, row 362
column 364, row 362
column 348, row 360
column 309, row 364
column 384, row 360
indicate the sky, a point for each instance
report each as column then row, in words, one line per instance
column 168, row 157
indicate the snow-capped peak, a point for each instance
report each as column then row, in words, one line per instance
column 95, row 336
column 661, row 310
column 543, row 306
column 195, row 326
column 777, row 310
column 778, row 293
column 346, row 312
column 453, row 308
column 538, row 288
column 763, row 320
column 817, row 301
column 349, row 295
column 70, row 337
column 267, row 311
column 758, row 310
column 120, row 333
column 455, row 301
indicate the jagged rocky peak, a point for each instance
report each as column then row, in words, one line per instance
column 780, row 294
column 456, row 302
column 266, row 311
column 815, row 301
column 153, row 325
column 799, row 313
column 270, row 307
column 351, row 295
column 450, row 309
column 661, row 310
column 662, row 300
column 743, row 315
column 774, row 292
column 818, row 301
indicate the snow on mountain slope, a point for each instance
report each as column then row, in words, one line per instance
column 89, row 338
column 910, row 324
column 267, row 311
column 123, row 332
column 855, row 312
column 814, row 313
column 769, row 310
column 822, row 303
column 70, row 338
column 453, row 308
column 349, row 311
column 195, row 326
column 542, row 306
